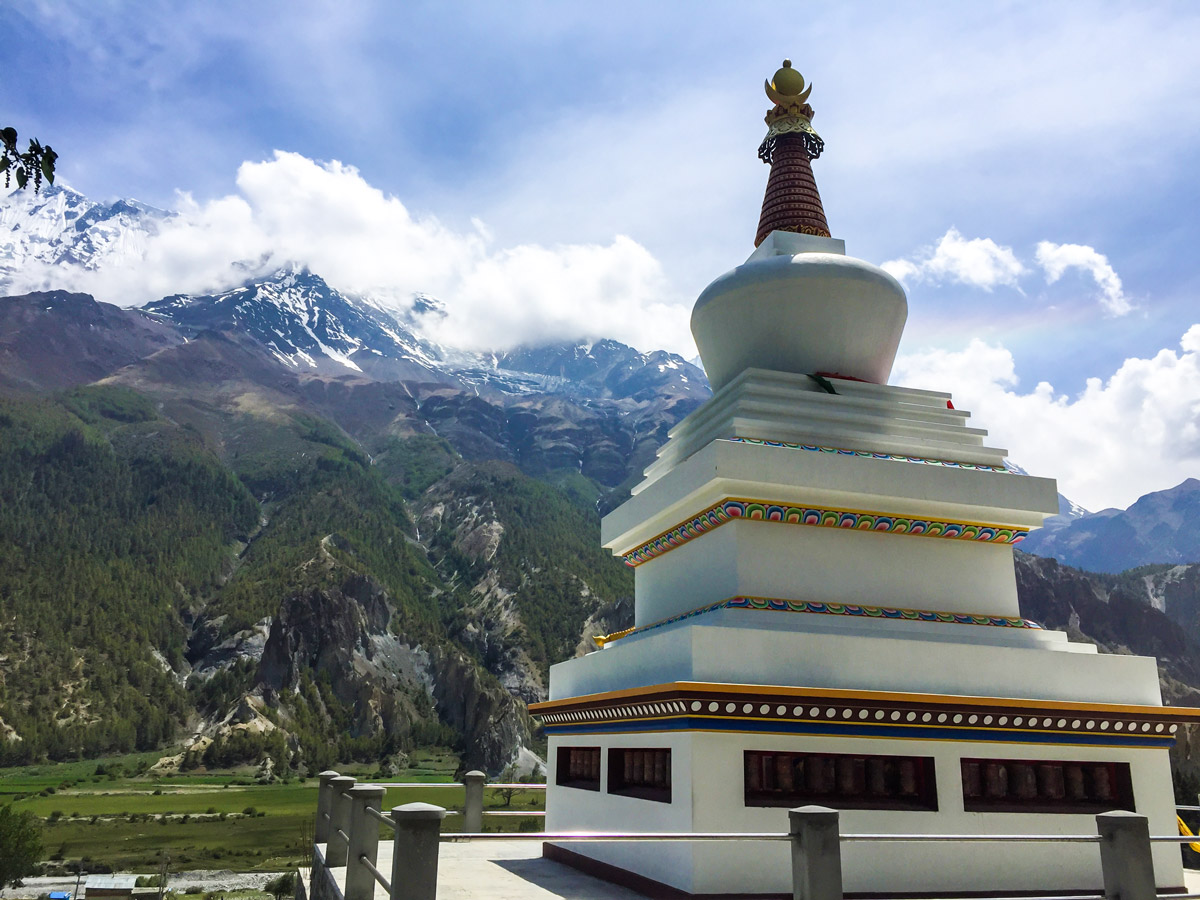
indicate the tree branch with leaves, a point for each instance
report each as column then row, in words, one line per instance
column 37, row 162
column 20, row 845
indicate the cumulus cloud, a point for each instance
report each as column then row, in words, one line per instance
column 1055, row 259
column 328, row 217
column 982, row 263
column 978, row 262
column 1136, row 431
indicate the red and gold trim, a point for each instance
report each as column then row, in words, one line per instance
column 700, row 706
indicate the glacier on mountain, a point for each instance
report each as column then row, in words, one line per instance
column 61, row 227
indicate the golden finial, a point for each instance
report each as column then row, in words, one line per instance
column 791, row 113
column 786, row 89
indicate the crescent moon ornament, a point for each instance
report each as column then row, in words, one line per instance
column 773, row 95
column 786, row 99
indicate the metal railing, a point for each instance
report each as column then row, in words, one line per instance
column 348, row 817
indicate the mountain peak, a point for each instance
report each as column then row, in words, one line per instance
column 1159, row 527
column 304, row 323
column 1186, row 486
column 61, row 227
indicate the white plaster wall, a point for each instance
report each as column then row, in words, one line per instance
column 756, row 654
column 835, row 565
column 707, row 776
column 700, row 572
column 744, row 867
column 571, row 809
column 728, row 469
column 814, row 312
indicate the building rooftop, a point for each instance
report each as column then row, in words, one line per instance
column 111, row 882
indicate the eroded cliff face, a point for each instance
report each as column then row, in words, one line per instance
column 343, row 634
column 340, row 634
column 528, row 569
column 495, row 726
column 1118, row 617
column 1093, row 608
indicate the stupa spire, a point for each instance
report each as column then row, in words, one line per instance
column 791, row 202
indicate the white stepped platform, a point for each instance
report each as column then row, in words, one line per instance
column 780, row 406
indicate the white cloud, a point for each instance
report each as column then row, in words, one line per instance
column 326, row 216
column 978, row 262
column 982, row 263
column 1055, row 259
column 1135, row 432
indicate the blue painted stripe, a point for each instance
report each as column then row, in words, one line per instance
column 863, row 729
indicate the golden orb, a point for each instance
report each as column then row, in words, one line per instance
column 787, row 80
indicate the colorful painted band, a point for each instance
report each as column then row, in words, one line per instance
column 765, row 511
column 832, row 609
column 842, row 451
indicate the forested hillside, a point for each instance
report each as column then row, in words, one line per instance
column 112, row 520
column 275, row 598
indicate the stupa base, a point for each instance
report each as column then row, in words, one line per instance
column 712, row 789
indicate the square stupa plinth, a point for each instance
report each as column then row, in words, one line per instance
column 808, row 619
column 826, row 613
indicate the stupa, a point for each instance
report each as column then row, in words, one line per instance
column 826, row 613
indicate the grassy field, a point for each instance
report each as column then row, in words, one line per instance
column 209, row 820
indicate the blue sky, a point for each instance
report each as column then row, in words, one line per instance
column 960, row 139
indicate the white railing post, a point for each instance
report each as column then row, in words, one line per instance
column 473, row 807
column 364, row 840
column 1125, row 857
column 415, row 853
column 816, row 854
column 324, row 807
column 337, row 848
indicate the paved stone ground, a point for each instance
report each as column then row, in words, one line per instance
column 503, row 870
column 516, row 871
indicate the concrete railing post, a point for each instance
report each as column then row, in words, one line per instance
column 816, row 854
column 324, row 807
column 1125, row 857
column 339, row 821
column 473, row 808
column 415, row 853
column 364, row 840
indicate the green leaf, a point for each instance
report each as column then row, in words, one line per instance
column 825, row 383
column 9, row 135
column 48, row 168
column 22, row 177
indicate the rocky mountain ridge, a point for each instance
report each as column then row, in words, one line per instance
column 1160, row 527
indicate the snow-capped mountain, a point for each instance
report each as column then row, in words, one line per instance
column 311, row 327
column 608, row 368
column 308, row 325
column 61, row 227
